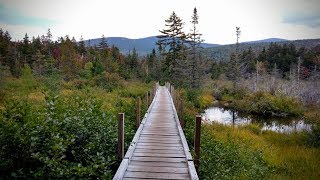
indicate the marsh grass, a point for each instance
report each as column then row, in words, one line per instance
column 280, row 155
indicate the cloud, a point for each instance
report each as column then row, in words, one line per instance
column 15, row 17
column 310, row 20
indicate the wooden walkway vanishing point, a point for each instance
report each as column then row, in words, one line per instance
column 159, row 149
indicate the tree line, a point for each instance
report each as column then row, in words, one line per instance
column 178, row 58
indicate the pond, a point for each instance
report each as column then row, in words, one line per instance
column 280, row 125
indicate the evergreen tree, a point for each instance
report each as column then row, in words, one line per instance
column 103, row 43
column 81, row 47
column 172, row 43
column 197, row 68
column 233, row 72
column 26, row 50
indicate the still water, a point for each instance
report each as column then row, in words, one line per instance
column 280, row 125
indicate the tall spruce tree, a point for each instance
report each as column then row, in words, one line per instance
column 103, row 43
column 195, row 40
column 233, row 73
column 172, row 43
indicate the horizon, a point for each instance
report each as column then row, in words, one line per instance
column 258, row 20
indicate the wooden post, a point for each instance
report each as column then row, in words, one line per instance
column 120, row 135
column 183, row 124
column 138, row 110
column 147, row 101
column 197, row 142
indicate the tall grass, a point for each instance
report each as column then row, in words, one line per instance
column 269, row 154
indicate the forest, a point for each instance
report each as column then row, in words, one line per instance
column 59, row 101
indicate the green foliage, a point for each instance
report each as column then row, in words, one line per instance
column 69, row 138
column 87, row 72
column 269, row 105
column 27, row 78
column 229, row 161
column 314, row 137
column 108, row 81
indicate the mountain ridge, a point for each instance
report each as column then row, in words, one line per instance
column 145, row 45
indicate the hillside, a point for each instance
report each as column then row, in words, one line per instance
column 222, row 53
column 143, row 46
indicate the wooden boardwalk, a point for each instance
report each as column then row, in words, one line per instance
column 159, row 149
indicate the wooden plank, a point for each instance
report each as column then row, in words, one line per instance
column 157, row 144
column 160, row 133
column 135, row 178
column 121, row 170
column 192, row 171
column 159, row 141
column 159, row 164
column 155, row 147
column 160, row 126
column 156, row 175
column 157, row 159
column 134, row 168
column 158, row 151
column 161, row 129
column 161, row 138
column 174, row 155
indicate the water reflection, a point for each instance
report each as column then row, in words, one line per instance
column 228, row 117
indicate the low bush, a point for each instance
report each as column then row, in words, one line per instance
column 108, row 81
column 269, row 105
column 68, row 138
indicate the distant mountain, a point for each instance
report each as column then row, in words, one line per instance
column 143, row 46
column 269, row 40
column 223, row 52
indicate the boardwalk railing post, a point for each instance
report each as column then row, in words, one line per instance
column 182, row 114
column 120, row 135
column 197, row 142
column 138, row 109
column 147, row 101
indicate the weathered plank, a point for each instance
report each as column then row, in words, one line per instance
column 156, row 175
column 159, row 151
column 135, row 168
column 157, row 147
column 159, row 144
column 159, row 164
column 173, row 155
column 157, row 159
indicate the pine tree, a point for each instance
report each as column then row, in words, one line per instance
column 26, row 50
column 103, row 43
column 233, row 72
column 81, row 47
column 197, row 68
column 172, row 42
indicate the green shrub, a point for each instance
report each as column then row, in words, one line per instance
column 108, row 81
column 269, row 105
column 68, row 138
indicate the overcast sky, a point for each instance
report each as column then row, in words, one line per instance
column 258, row 19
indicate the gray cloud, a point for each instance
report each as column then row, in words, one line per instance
column 311, row 19
column 15, row 17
